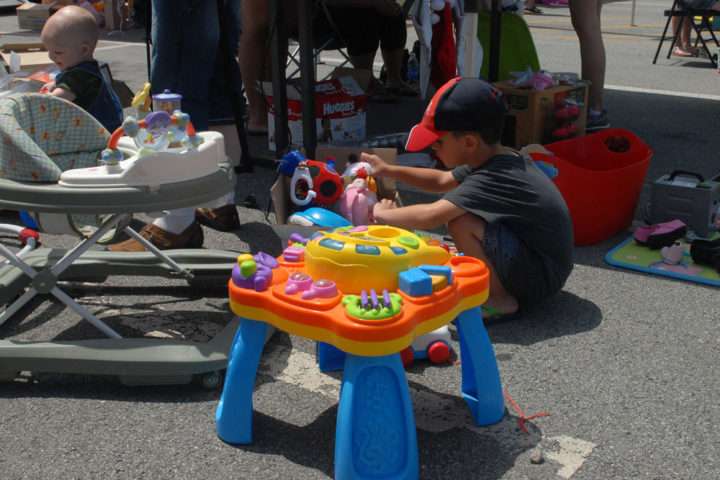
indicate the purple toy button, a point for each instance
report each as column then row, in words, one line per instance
column 266, row 259
column 298, row 282
column 294, row 254
column 297, row 238
column 321, row 289
column 359, row 228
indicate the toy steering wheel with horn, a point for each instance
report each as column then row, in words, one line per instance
column 157, row 131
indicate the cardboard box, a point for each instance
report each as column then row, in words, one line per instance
column 532, row 114
column 280, row 190
column 340, row 112
column 33, row 56
column 32, row 16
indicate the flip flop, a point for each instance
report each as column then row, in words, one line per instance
column 533, row 11
column 679, row 52
column 492, row 316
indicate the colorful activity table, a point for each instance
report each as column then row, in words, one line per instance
column 366, row 292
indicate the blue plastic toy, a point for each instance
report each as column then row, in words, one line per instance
column 318, row 217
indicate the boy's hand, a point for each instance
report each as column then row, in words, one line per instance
column 382, row 206
column 380, row 167
column 48, row 87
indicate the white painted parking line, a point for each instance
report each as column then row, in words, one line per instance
column 571, row 453
column 668, row 93
column 433, row 412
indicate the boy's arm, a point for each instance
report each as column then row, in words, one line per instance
column 63, row 93
column 421, row 216
column 427, row 179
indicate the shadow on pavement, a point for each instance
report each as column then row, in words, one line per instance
column 563, row 315
column 445, row 452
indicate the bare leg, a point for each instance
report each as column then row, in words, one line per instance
column 585, row 16
column 393, row 66
column 364, row 61
column 468, row 232
column 683, row 46
column 253, row 55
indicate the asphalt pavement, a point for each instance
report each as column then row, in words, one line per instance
column 624, row 363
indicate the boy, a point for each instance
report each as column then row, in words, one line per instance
column 498, row 205
column 70, row 36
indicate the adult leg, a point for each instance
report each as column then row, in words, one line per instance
column 683, row 47
column 585, row 15
column 393, row 37
column 185, row 38
column 468, row 232
column 253, row 54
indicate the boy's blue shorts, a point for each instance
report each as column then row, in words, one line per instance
column 521, row 271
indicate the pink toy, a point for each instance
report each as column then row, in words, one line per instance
column 673, row 254
column 661, row 234
column 357, row 202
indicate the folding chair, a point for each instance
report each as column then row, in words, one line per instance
column 689, row 15
column 323, row 41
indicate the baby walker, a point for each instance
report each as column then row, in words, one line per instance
column 155, row 164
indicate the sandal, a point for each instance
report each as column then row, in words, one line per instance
column 533, row 11
column 492, row 316
column 681, row 52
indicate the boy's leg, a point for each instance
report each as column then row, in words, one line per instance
column 468, row 232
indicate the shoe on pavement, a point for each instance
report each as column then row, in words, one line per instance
column 597, row 121
column 191, row 237
column 224, row 219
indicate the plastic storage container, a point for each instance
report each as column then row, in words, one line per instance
column 600, row 176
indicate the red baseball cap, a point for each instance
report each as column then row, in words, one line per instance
column 461, row 104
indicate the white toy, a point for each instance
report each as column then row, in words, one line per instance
column 434, row 346
column 158, row 150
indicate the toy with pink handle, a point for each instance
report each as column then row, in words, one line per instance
column 357, row 202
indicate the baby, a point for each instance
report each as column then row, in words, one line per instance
column 70, row 36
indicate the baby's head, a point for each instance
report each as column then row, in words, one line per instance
column 70, row 35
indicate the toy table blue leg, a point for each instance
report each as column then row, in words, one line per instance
column 233, row 418
column 329, row 358
column 481, row 387
column 375, row 435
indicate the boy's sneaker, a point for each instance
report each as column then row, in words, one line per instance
column 597, row 120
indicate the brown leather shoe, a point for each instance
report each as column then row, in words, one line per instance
column 192, row 237
column 224, row 218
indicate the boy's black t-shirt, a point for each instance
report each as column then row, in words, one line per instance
column 83, row 84
column 511, row 189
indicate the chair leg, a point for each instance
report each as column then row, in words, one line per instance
column 698, row 32
column 662, row 40
column 712, row 32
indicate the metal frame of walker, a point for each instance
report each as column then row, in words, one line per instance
column 135, row 361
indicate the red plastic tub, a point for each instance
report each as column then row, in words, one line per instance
column 600, row 186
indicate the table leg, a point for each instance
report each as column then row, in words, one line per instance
column 375, row 434
column 329, row 358
column 233, row 418
column 481, row 386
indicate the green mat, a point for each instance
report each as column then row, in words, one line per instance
column 517, row 49
column 635, row 257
